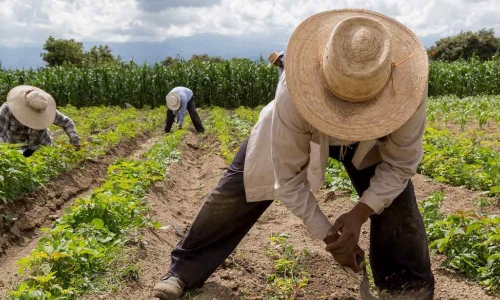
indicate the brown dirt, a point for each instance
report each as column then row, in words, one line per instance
column 175, row 201
column 457, row 198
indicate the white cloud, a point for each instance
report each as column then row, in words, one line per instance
column 32, row 21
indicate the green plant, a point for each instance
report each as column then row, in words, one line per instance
column 74, row 257
column 470, row 241
column 100, row 128
column 289, row 275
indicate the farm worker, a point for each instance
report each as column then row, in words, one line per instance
column 278, row 60
column 356, row 92
column 26, row 116
column 180, row 100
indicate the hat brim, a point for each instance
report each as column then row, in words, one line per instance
column 17, row 106
column 347, row 120
column 178, row 105
column 272, row 62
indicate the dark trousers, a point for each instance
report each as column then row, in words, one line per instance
column 193, row 114
column 399, row 253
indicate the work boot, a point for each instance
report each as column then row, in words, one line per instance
column 170, row 287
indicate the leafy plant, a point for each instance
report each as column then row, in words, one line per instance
column 470, row 241
column 289, row 276
column 77, row 252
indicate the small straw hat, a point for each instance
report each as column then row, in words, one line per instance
column 173, row 101
column 32, row 106
column 356, row 74
column 273, row 57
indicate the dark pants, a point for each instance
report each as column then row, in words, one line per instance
column 399, row 253
column 195, row 118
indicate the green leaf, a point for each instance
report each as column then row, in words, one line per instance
column 97, row 223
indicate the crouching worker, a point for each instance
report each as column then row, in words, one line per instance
column 26, row 116
column 356, row 92
column 180, row 100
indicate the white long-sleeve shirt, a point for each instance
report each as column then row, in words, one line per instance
column 286, row 159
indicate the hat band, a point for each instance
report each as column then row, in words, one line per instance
column 34, row 109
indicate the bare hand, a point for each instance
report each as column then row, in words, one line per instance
column 348, row 260
column 342, row 239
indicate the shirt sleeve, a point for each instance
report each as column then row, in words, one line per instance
column 68, row 126
column 4, row 122
column 290, row 148
column 401, row 153
column 182, row 110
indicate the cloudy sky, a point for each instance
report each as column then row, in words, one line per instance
column 152, row 29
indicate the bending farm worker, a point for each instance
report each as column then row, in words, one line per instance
column 278, row 60
column 179, row 101
column 356, row 93
column 26, row 116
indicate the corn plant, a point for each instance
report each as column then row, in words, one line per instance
column 229, row 84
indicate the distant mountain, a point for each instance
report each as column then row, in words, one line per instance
column 251, row 47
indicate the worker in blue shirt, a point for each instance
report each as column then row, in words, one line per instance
column 180, row 100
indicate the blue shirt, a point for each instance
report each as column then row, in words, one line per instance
column 186, row 96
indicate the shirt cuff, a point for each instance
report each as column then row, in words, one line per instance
column 373, row 201
column 321, row 228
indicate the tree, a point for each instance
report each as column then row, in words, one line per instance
column 99, row 55
column 170, row 61
column 62, row 51
column 206, row 57
column 465, row 45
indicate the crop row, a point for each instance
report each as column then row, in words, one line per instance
column 99, row 129
column 470, row 241
column 228, row 84
column 82, row 250
column 477, row 111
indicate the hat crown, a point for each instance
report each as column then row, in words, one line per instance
column 357, row 59
column 36, row 101
column 173, row 101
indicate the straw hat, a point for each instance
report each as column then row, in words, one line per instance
column 273, row 57
column 32, row 106
column 173, row 101
column 356, row 74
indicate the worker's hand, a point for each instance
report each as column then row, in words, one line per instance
column 77, row 147
column 343, row 237
column 350, row 260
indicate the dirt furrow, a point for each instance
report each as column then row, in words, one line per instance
column 175, row 202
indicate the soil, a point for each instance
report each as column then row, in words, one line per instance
column 175, row 202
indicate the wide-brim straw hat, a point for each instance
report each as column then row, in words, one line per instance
column 274, row 56
column 355, row 74
column 32, row 106
column 173, row 101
